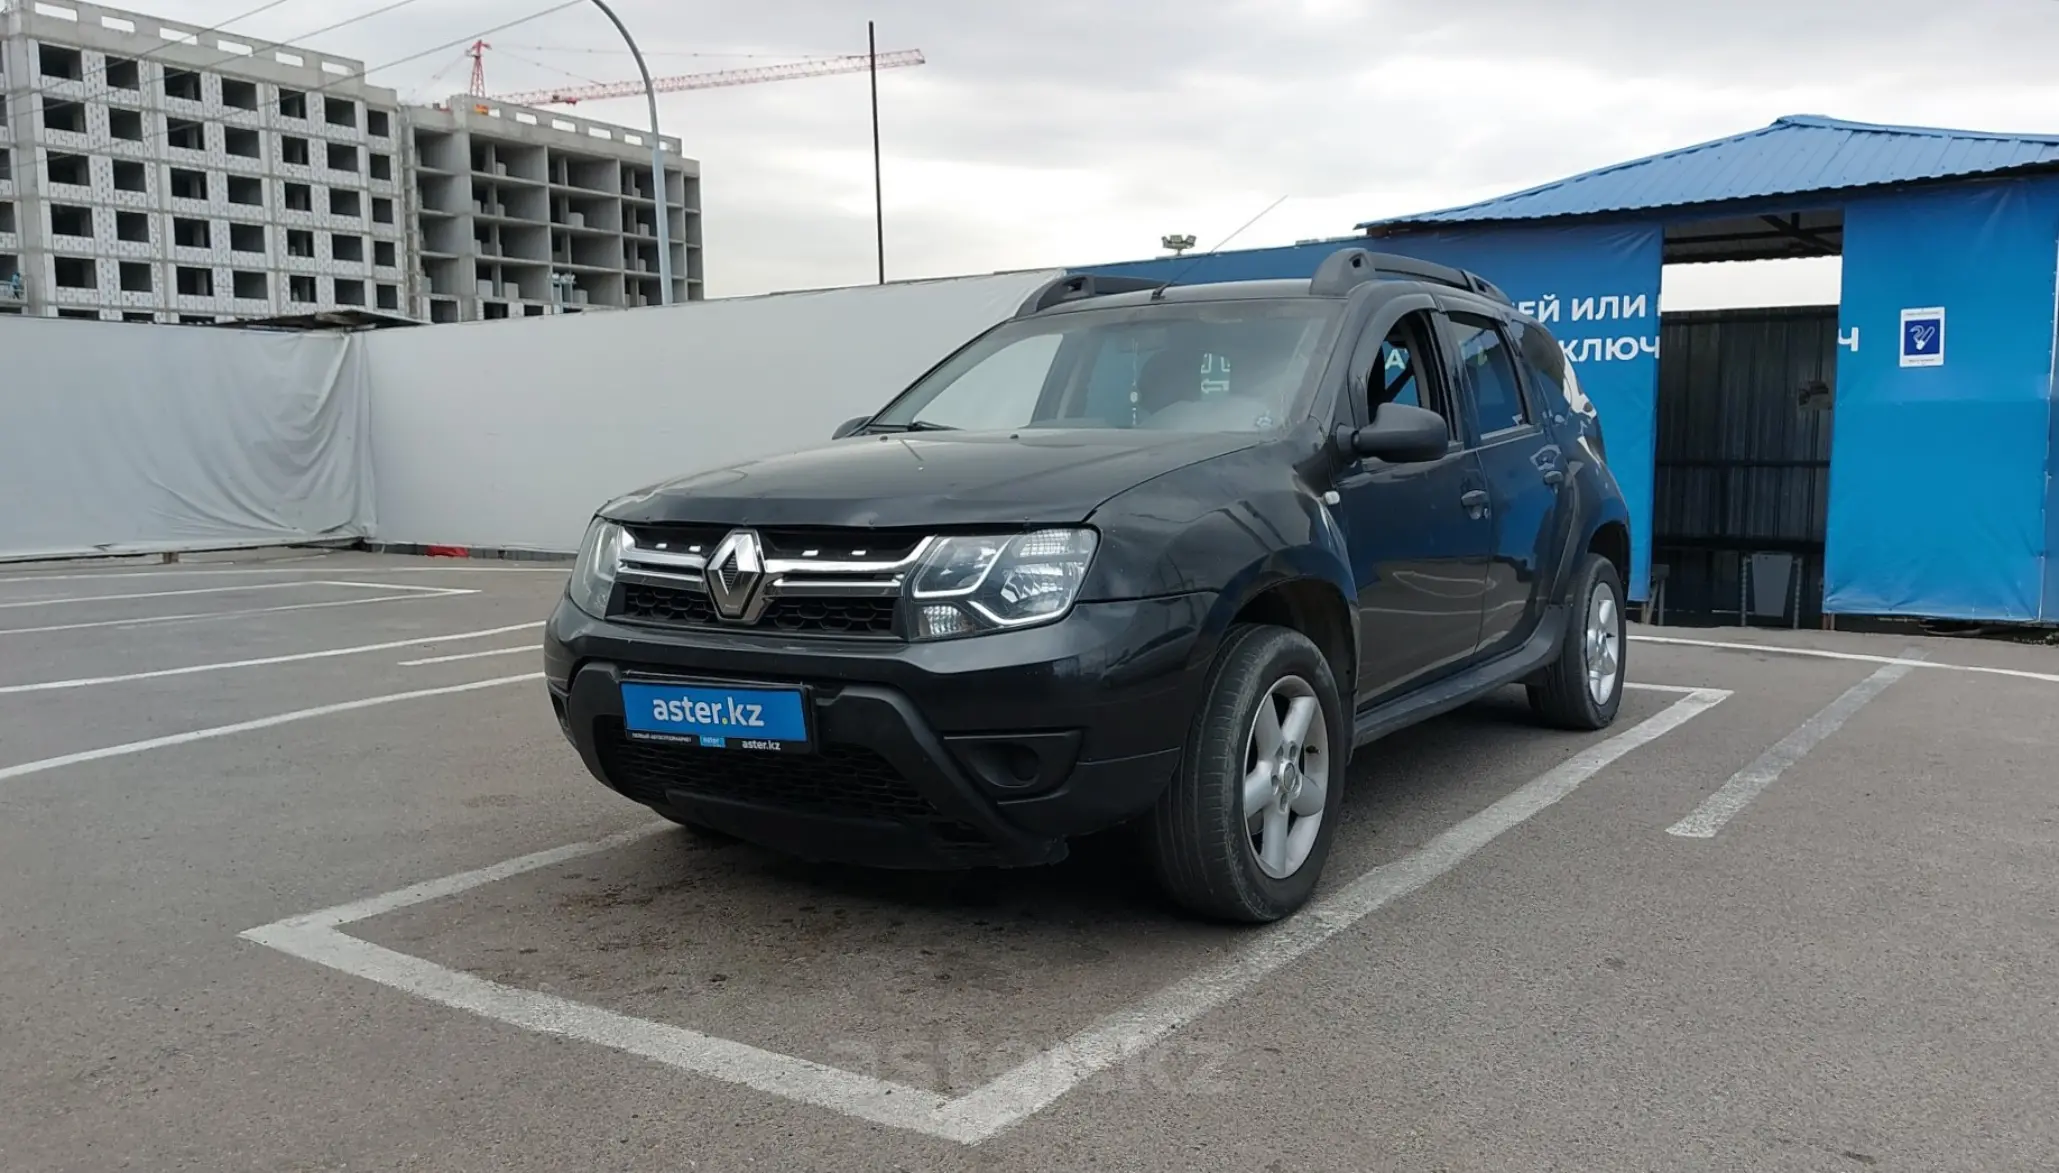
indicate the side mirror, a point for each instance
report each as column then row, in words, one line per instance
column 850, row 425
column 1402, row 434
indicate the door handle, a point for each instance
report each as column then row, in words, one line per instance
column 1474, row 499
column 1554, row 476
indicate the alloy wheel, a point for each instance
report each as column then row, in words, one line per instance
column 1604, row 644
column 1286, row 776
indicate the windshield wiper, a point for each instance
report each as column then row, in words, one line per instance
column 913, row 426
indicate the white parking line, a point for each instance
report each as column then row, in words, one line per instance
column 379, row 586
column 326, row 653
column 989, row 1110
column 239, row 589
column 1855, row 657
column 470, row 655
column 447, row 592
column 136, row 747
column 1751, row 781
column 455, row 568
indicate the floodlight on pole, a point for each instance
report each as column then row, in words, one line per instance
column 1178, row 243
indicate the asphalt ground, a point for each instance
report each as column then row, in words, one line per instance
column 341, row 908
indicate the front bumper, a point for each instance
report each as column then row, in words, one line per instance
column 989, row 750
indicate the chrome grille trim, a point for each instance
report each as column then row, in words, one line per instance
column 639, row 556
column 822, row 580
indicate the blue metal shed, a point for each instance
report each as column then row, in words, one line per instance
column 1941, row 501
column 1801, row 154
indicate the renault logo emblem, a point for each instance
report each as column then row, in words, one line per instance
column 736, row 576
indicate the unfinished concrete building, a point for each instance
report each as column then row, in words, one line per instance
column 524, row 212
column 154, row 171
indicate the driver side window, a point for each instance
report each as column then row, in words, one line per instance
column 1404, row 370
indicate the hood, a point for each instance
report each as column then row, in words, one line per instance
column 915, row 479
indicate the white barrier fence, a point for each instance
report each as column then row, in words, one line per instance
column 119, row 438
column 124, row 438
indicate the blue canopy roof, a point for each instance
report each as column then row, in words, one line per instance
column 1796, row 154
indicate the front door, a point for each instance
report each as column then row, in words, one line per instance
column 1419, row 534
column 1525, row 471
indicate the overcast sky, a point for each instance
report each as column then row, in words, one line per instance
column 1056, row 132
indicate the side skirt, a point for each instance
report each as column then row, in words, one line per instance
column 1450, row 693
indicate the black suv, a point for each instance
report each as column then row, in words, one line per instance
column 1143, row 554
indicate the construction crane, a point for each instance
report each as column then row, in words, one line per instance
column 812, row 67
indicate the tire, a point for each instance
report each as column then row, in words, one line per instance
column 1591, row 656
column 1205, row 846
column 699, row 831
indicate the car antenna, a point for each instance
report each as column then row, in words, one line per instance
column 1159, row 293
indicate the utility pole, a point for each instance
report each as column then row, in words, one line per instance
column 879, row 216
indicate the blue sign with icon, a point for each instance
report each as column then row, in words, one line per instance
column 1923, row 337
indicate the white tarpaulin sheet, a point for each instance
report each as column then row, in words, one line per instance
column 509, row 434
column 120, row 438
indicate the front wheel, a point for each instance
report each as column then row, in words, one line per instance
column 1583, row 688
column 1242, row 831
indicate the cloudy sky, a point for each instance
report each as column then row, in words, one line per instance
column 1054, row 132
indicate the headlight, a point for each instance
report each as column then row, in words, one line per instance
column 969, row 585
column 593, row 574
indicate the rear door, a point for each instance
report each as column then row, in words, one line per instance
column 1418, row 534
column 1525, row 470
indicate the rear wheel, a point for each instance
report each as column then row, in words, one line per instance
column 1242, row 832
column 1583, row 688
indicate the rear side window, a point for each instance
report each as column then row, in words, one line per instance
column 1544, row 365
column 1490, row 370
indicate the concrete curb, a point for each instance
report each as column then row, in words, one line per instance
column 486, row 553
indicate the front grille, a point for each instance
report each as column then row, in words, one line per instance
column 646, row 603
column 656, row 604
column 843, row 781
column 846, row 616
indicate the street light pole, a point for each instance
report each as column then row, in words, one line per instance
column 658, row 188
column 879, row 214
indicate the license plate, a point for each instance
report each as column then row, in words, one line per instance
column 717, row 716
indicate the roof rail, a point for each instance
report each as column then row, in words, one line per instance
column 1349, row 267
column 1079, row 286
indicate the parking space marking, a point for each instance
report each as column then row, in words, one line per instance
column 317, row 937
column 471, row 655
column 993, row 1108
column 136, row 747
column 240, row 613
column 265, row 661
column 1751, row 781
column 239, row 589
column 197, row 572
column 1676, row 689
column 1856, row 657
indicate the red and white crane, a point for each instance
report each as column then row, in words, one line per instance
column 572, row 95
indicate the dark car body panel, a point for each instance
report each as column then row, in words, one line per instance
column 1120, row 675
column 938, row 480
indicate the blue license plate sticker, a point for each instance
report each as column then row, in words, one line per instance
column 717, row 717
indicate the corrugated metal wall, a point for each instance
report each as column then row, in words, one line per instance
column 1743, row 461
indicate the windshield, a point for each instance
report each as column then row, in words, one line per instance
column 1232, row 366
